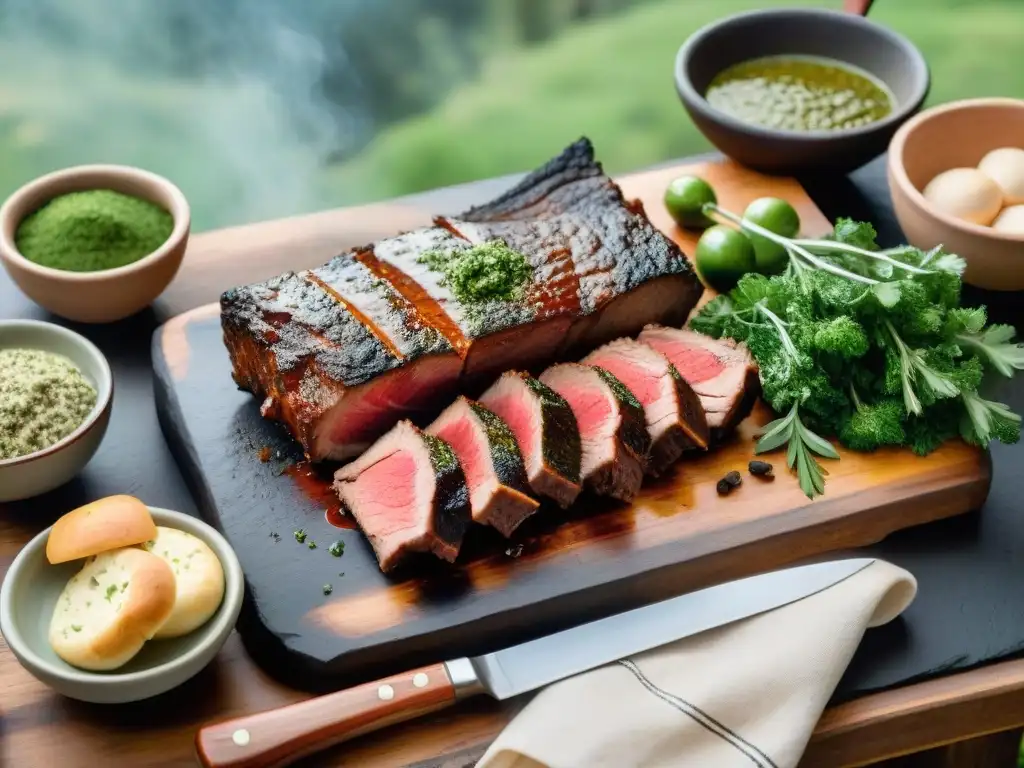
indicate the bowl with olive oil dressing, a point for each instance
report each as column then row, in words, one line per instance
column 800, row 90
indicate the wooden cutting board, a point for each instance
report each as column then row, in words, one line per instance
column 561, row 568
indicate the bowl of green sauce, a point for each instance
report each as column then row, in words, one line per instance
column 94, row 243
column 800, row 90
column 56, row 392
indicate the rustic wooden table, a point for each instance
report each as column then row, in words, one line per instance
column 978, row 713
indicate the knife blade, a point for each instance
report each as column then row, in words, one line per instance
column 279, row 737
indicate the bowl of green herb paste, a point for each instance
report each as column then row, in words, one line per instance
column 94, row 243
column 56, row 391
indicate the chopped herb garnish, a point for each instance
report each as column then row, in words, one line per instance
column 93, row 583
column 337, row 548
column 328, row 589
column 111, row 591
column 300, row 535
column 76, row 627
column 124, row 586
column 312, row 544
column 486, row 272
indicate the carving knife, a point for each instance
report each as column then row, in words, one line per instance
column 279, row 737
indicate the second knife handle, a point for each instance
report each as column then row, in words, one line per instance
column 278, row 737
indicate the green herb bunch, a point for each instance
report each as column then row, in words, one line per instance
column 868, row 345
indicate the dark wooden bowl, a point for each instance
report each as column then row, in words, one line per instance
column 845, row 37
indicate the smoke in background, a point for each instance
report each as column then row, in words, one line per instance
column 222, row 96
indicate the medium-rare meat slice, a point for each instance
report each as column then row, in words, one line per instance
column 491, row 461
column 673, row 412
column 495, row 335
column 630, row 274
column 336, row 381
column 613, row 435
column 408, row 493
column 721, row 372
column 545, row 430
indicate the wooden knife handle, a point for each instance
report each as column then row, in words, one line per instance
column 278, row 737
column 859, row 7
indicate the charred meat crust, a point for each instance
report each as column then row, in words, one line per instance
column 386, row 312
column 633, row 427
column 539, row 192
column 560, row 441
column 740, row 410
column 695, row 421
column 451, row 513
column 505, row 454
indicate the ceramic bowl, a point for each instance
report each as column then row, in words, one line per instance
column 955, row 135
column 26, row 476
column 845, row 37
column 29, row 594
column 108, row 295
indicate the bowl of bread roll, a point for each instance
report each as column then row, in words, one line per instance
column 118, row 601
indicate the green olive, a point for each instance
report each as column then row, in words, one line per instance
column 776, row 216
column 723, row 256
column 685, row 199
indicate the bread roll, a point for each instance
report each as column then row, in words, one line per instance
column 199, row 576
column 110, row 523
column 111, row 607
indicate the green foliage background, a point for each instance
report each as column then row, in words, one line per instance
column 405, row 95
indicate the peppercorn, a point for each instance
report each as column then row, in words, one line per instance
column 761, row 469
column 731, row 480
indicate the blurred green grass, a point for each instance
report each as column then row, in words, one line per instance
column 230, row 147
column 612, row 80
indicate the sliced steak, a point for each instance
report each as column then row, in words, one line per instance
column 545, row 430
column 672, row 411
column 491, row 461
column 408, row 493
column 613, row 435
column 721, row 372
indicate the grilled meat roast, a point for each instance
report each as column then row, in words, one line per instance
column 339, row 354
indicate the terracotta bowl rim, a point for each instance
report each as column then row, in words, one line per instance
column 41, row 186
column 899, row 172
column 104, row 393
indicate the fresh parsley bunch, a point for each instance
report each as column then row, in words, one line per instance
column 868, row 345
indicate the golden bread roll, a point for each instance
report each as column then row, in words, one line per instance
column 110, row 523
column 111, row 607
column 199, row 577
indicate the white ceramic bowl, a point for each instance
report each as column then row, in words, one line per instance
column 110, row 294
column 26, row 476
column 30, row 592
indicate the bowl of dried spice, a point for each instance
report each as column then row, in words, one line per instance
column 56, row 392
column 94, row 243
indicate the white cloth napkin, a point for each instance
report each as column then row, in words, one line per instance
column 748, row 694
